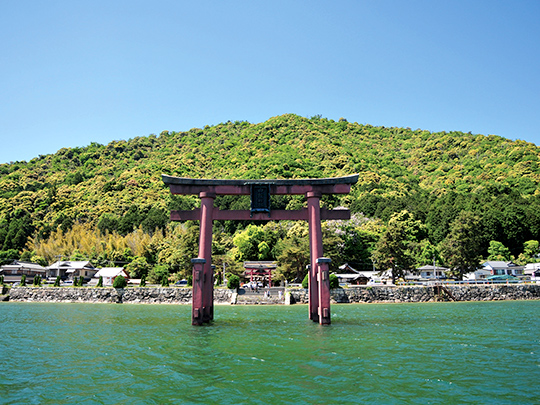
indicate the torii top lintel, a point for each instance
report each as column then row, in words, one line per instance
column 333, row 185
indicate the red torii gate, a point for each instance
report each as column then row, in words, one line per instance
column 260, row 191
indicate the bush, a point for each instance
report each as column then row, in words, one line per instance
column 100, row 282
column 37, row 281
column 57, row 282
column 165, row 281
column 1, row 280
column 189, row 280
column 233, row 282
column 119, row 282
column 305, row 282
column 334, row 281
column 23, row 280
column 143, row 281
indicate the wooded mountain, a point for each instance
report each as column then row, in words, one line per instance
column 435, row 176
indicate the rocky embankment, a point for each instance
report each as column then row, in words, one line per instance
column 137, row 295
column 357, row 294
column 367, row 294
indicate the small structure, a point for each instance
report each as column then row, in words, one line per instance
column 349, row 275
column 479, row 274
column 260, row 272
column 68, row 270
column 499, row 268
column 532, row 270
column 430, row 272
column 109, row 274
column 13, row 272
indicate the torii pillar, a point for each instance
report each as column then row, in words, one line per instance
column 260, row 191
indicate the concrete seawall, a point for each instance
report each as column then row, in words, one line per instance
column 357, row 294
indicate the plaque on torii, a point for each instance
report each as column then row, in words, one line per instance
column 260, row 210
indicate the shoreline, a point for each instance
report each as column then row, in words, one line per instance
column 352, row 294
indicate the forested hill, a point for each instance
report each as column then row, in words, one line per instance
column 433, row 175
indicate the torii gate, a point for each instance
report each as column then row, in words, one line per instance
column 260, row 191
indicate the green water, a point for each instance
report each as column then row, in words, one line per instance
column 446, row 353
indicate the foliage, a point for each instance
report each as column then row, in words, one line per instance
column 143, row 281
column 394, row 250
column 119, row 282
column 23, row 280
column 233, row 282
column 157, row 273
column 497, row 251
column 460, row 248
column 100, row 282
column 107, row 203
column 305, row 282
column 37, row 281
column 57, row 281
column 165, row 281
column 138, row 268
column 1, row 280
column 334, row 281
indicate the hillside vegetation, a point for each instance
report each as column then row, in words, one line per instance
column 116, row 189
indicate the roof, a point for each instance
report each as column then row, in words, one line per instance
column 348, row 267
column 260, row 265
column 71, row 265
column 431, row 267
column 23, row 265
column 493, row 264
column 284, row 182
column 350, row 276
column 110, row 272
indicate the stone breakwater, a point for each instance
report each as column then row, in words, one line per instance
column 138, row 295
column 357, row 294
column 368, row 294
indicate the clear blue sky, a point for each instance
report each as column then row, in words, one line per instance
column 76, row 72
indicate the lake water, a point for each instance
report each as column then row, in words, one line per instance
column 436, row 353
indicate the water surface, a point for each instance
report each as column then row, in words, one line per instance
column 434, row 353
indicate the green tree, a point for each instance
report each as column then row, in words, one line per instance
column 394, row 250
column 461, row 248
column 100, row 282
column 138, row 267
column 233, row 282
column 158, row 272
column 293, row 254
column 497, row 251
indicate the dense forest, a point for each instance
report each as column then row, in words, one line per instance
column 451, row 197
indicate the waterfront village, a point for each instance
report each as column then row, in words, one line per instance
column 259, row 274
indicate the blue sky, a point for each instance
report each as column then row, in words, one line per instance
column 76, row 72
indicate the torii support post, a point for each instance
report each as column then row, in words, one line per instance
column 316, row 250
column 207, row 189
column 197, row 291
column 323, row 278
column 205, row 251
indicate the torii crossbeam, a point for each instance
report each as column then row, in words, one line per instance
column 260, row 191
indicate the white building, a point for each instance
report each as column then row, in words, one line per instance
column 109, row 274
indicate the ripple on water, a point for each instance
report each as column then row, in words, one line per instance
column 410, row 353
